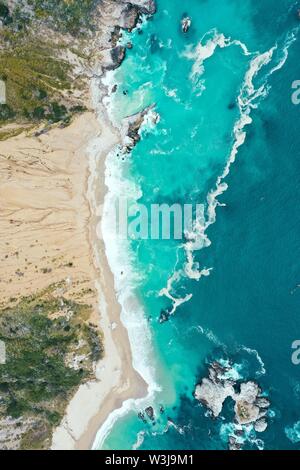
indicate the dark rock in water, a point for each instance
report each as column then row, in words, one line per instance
column 117, row 56
column 141, row 415
column 186, row 23
column 161, row 410
column 114, row 88
column 150, row 412
column 132, row 125
column 129, row 45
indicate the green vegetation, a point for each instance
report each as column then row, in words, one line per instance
column 33, row 79
column 69, row 16
column 4, row 14
column 43, row 335
column 39, row 83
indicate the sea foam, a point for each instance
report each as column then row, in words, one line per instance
column 248, row 100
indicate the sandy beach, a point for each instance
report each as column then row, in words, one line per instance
column 116, row 381
column 51, row 192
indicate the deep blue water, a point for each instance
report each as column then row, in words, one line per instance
column 248, row 307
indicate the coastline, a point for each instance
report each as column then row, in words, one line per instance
column 48, row 210
column 117, row 380
column 54, row 187
column 95, row 354
column 129, row 379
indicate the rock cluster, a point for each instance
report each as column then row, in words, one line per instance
column 147, row 7
column 250, row 406
column 127, row 16
column 148, row 415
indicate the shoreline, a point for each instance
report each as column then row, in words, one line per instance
column 118, row 381
column 94, row 402
column 54, row 187
column 131, row 385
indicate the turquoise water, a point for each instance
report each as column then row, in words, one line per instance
column 228, row 131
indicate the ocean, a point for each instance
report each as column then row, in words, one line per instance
column 226, row 138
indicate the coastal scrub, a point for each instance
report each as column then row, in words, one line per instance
column 50, row 351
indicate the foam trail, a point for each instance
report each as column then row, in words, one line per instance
column 253, row 352
column 248, row 100
column 205, row 50
column 139, row 441
column 167, row 292
column 293, row 433
column 210, row 335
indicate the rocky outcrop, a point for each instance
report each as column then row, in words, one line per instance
column 130, row 17
column 147, row 415
column 117, row 56
column 213, row 391
column 147, row 7
column 132, row 125
column 132, row 12
column 250, row 406
column 234, row 444
column 127, row 15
